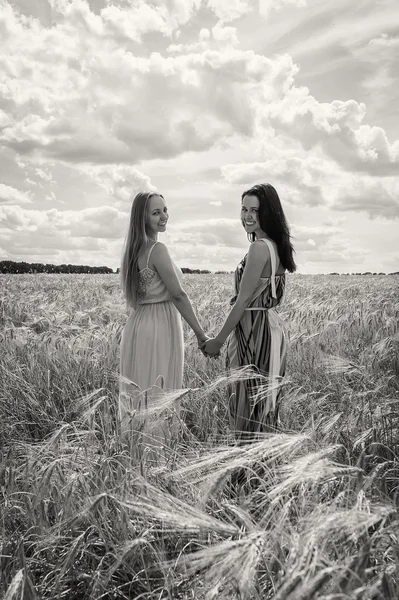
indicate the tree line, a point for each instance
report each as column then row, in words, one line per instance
column 366, row 273
column 10, row 266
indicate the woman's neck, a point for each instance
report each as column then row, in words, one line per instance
column 262, row 236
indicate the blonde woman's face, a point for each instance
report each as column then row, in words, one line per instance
column 157, row 215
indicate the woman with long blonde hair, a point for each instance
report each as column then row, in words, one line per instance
column 152, row 351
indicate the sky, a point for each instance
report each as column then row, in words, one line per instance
column 199, row 100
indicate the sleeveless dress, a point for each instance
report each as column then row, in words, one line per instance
column 258, row 341
column 152, row 357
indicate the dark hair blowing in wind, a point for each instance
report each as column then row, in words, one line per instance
column 273, row 222
column 136, row 240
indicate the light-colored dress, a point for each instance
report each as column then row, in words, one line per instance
column 258, row 341
column 151, row 356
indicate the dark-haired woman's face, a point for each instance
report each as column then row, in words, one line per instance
column 250, row 215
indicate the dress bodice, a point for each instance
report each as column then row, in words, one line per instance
column 269, row 290
column 152, row 288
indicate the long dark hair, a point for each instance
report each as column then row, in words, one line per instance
column 273, row 222
column 135, row 242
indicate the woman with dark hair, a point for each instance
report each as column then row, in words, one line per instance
column 256, row 331
column 151, row 352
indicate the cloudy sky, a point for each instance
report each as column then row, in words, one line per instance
column 199, row 99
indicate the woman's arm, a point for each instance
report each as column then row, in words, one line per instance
column 164, row 266
column 258, row 256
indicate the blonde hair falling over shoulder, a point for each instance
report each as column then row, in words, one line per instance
column 135, row 242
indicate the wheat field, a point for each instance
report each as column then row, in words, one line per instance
column 308, row 513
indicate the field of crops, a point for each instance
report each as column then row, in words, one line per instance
column 311, row 512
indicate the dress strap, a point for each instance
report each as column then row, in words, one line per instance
column 273, row 262
column 149, row 254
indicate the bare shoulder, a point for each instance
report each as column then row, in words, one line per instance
column 259, row 251
column 160, row 255
column 160, row 251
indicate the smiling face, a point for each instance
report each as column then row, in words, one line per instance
column 157, row 215
column 250, row 215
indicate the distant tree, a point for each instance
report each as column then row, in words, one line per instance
column 195, row 271
column 6, row 266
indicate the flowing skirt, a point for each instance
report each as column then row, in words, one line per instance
column 151, row 357
column 259, row 342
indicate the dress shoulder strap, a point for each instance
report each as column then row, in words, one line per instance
column 149, row 254
column 273, row 260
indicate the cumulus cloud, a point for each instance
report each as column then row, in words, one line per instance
column 97, row 102
column 132, row 23
column 43, row 174
column 221, row 36
column 266, row 6
column 27, row 245
column 308, row 238
column 326, row 245
column 228, row 234
column 104, row 222
column 204, row 34
column 5, row 119
column 88, row 236
column 385, row 41
column 127, row 20
column 225, row 34
column 313, row 181
column 10, row 195
column 122, row 182
column 379, row 59
column 377, row 197
column 340, row 255
column 301, row 175
column 209, row 232
column 164, row 110
column 228, row 10
column 337, row 128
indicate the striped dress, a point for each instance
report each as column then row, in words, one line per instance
column 258, row 341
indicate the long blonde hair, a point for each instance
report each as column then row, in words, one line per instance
column 135, row 242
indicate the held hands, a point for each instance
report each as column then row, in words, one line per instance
column 211, row 347
column 202, row 340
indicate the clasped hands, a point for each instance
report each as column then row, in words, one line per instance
column 210, row 347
